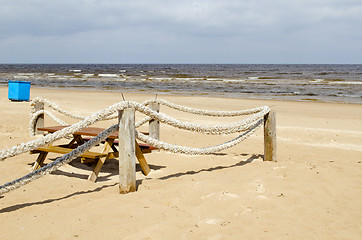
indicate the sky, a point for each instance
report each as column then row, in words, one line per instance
column 181, row 31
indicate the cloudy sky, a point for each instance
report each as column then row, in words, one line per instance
column 180, row 31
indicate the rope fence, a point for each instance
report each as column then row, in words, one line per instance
column 254, row 118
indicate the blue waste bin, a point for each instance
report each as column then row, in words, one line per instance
column 19, row 90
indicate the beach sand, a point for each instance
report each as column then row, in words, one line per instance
column 313, row 191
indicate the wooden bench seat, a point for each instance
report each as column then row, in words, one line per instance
column 62, row 150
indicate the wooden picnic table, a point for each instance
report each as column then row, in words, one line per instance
column 79, row 138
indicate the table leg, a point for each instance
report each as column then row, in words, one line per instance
column 93, row 176
column 107, row 147
column 142, row 160
column 40, row 160
column 76, row 138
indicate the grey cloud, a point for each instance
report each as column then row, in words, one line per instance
column 141, row 28
column 56, row 17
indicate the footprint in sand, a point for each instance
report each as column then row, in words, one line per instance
column 221, row 195
column 279, row 167
column 260, row 188
column 212, row 221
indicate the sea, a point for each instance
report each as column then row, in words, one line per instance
column 299, row 82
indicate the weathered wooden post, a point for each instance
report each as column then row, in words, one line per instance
column 38, row 106
column 270, row 137
column 127, row 156
column 154, row 125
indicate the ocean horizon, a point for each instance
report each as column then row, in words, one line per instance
column 300, row 82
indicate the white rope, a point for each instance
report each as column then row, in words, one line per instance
column 36, row 115
column 51, row 167
column 218, row 129
column 143, row 121
column 203, row 111
column 239, row 126
column 246, row 127
column 103, row 114
column 197, row 151
column 49, row 138
column 55, row 107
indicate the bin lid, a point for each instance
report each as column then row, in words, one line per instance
column 18, row 81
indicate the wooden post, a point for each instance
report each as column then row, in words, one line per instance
column 270, row 137
column 154, row 125
column 40, row 120
column 127, row 156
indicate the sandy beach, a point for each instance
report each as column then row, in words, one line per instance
column 313, row 191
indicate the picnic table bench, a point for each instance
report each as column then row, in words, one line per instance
column 109, row 149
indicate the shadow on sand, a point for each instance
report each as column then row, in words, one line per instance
column 24, row 205
column 241, row 163
column 111, row 173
